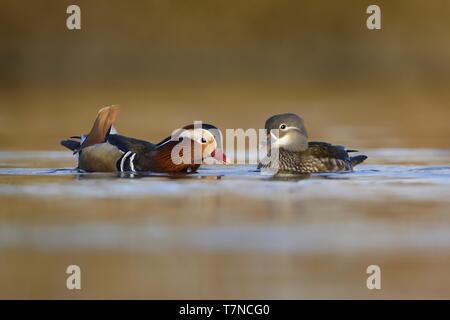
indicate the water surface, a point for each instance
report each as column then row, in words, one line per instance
column 226, row 232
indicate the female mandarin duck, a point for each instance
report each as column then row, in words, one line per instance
column 287, row 133
column 103, row 150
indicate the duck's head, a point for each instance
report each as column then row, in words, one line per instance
column 287, row 131
column 192, row 144
column 206, row 142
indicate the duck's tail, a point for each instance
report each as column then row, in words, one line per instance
column 71, row 144
column 357, row 159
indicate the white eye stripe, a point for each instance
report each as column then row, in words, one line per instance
column 289, row 128
column 196, row 134
column 285, row 129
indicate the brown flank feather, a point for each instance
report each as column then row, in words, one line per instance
column 160, row 160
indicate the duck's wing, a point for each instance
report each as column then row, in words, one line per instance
column 126, row 144
column 327, row 150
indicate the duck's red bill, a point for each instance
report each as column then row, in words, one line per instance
column 219, row 155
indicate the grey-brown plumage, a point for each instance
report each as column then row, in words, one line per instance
column 290, row 150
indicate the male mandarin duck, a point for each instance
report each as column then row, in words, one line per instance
column 103, row 150
column 287, row 133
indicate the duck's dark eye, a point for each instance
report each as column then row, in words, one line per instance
column 282, row 126
column 203, row 140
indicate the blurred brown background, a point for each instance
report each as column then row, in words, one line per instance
column 231, row 63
